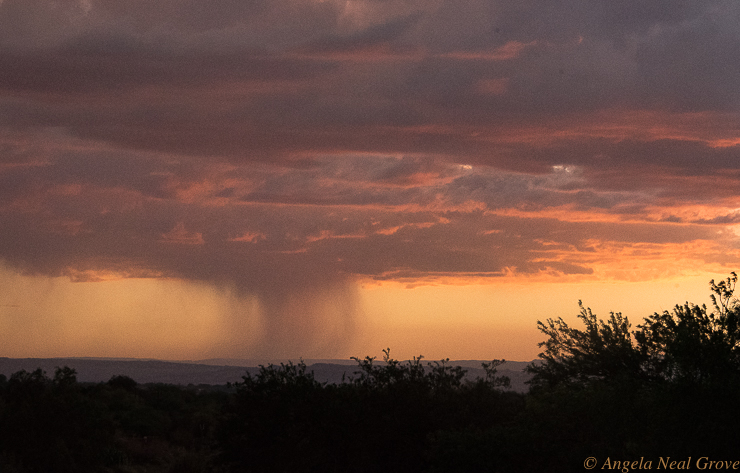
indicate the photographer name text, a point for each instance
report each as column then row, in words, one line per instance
column 662, row 463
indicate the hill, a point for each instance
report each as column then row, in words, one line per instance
column 218, row 371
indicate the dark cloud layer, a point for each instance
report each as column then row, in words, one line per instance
column 292, row 147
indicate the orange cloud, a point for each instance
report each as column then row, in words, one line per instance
column 249, row 237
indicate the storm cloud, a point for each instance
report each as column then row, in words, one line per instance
column 289, row 149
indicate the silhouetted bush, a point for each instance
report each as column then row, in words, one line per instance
column 59, row 425
column 382, row 419
column 50, row 424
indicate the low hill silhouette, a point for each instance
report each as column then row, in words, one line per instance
column 220, row 371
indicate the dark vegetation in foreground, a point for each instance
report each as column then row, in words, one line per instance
column 669, row 388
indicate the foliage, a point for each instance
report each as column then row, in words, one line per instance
column 645, row 391
column 382, row 418
column 50, row 416
column 57, row 424
column 689, row 345
column 605, row 349
column 436, row 377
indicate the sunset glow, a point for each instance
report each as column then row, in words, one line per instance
column 325, row 179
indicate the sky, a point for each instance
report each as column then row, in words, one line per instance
column 267, row 179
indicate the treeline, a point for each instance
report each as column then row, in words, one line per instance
column 56, row 424
column 385, row 417
column 668, row 388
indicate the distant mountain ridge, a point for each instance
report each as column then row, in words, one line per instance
column 511, row 365
column 221, row 370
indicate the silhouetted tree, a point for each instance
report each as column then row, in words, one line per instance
column 122, row 382
column 604, row 350
column 691, row 344
column 642, row 392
